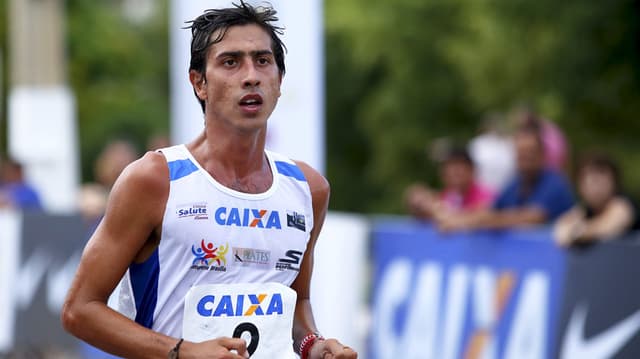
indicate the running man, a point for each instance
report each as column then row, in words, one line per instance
column 213, row 240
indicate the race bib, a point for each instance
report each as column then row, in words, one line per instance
column 260, row 313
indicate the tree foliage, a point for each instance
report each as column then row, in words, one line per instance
column 118, row 70
column 400, row 74
column 419, row 70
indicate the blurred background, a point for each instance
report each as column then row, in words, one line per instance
column 398, row 75
column 402, row 82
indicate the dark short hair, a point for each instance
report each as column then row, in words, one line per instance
column 600, row 161
column 221, row 20
column 534, row 130
column 458, row 154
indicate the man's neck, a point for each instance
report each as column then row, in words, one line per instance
column 235, row 159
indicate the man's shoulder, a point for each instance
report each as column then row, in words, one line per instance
column 551, row 177
column 314, row 177
column 512, row 187
column 305, row 171
column 150, row 172
column 150, row 163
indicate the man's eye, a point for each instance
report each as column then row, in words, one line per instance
column 229, row 62
column 263, row 61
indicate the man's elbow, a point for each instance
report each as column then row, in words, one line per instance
column 70, row 317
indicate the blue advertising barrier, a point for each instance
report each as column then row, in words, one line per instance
column 502, row 294
column 487, row 294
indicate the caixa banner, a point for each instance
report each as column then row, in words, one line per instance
column 501, row 294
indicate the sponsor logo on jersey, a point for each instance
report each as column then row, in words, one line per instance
column 251, row 257
column 241, row 305
column 291, row 261
column 209, row 257
column 296, row 220
column 193, row 210
column 248, row 217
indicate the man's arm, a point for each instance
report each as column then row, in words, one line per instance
column 133, row 214
column 129, row 231
column 304, row 323
column 495, row 219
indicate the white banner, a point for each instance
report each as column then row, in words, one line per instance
column 42, row 136
column 10, row 223
column 339, row 284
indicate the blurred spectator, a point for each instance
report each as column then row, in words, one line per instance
column 492, row 152
column 15, row 192
column 92, row 198
column 605, row 212
column 537, row 195
column 112, row 160
column 92, row 201
column 157, row 141
column 556, row 149
column 460, row 190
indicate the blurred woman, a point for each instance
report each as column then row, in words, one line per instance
column 605, row 212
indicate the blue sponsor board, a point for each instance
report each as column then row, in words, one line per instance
column 485, row 294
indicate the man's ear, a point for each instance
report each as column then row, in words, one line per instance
column 280, row 76
column 198, row 81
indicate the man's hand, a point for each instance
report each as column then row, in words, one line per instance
column 220, row 348
column 331, row 349
column 448, row 221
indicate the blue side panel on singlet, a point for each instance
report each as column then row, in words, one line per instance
column 144, row 282
column 290, row 170
column 181, row 168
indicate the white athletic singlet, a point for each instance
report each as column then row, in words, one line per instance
column 212, row 236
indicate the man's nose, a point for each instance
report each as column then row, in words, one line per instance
column 252, row 78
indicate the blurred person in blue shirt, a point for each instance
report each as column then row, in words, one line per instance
column 15, row 192
column 537, row 195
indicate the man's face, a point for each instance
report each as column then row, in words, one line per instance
column 529, row 154
column 241, row 86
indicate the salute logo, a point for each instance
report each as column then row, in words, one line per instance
column 209, row 257
column 193, row 210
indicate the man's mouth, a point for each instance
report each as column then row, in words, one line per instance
column 251, row 100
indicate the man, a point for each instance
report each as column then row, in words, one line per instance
column 537, row 195
column 217, row 235
column 15, row 192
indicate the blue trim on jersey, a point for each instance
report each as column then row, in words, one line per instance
column 290, row 170
column 144, row 282
column 181, row 168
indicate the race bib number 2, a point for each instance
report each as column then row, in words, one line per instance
column 260, row 313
